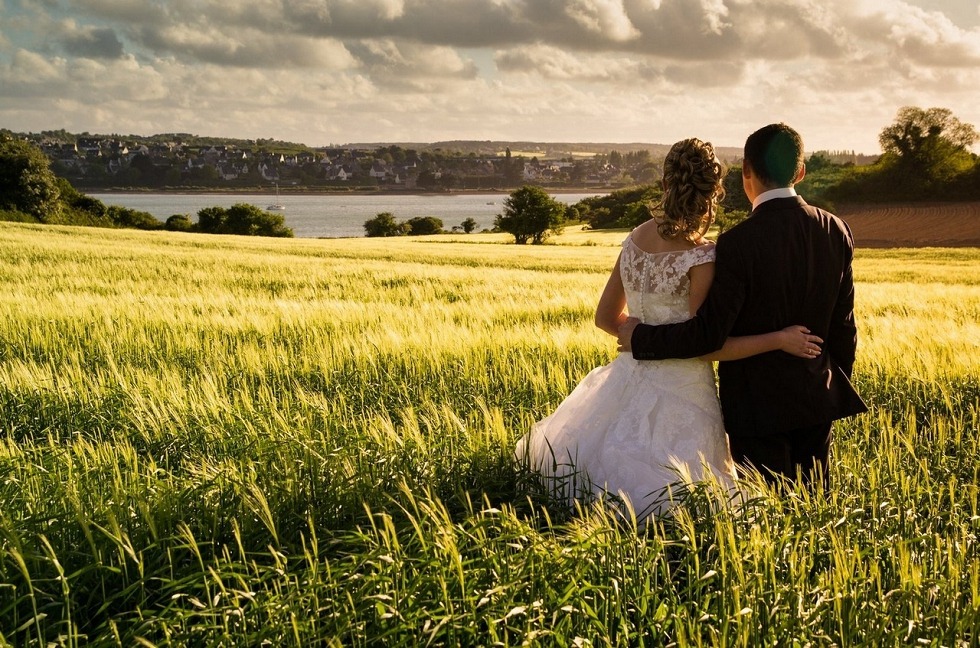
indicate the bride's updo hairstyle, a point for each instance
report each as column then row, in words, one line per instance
column 693, row 186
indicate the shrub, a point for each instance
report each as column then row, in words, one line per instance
column 421, row 225
column 242, row 219
column 126, row 217
column 179, row 223
column 384, row 224
column 27, row 184
column 622, row 208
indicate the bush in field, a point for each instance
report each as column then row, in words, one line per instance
column 384, row 224
column 81, row 209
column 211, row 220
column 179, row 223
column 468, row 225
column 27, row 184
column 250, row 220
column 421, row 225
column 531, row 214
column 127, row 217
column 242, row 219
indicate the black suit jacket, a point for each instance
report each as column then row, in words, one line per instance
column 788, row 263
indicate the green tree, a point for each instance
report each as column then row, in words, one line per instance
column 531, row 214
column 249, row 220
column 384, row 224
column 735, row 199
column 925, row 155
column 211, row 220
column 134, row 218
column 468, row 225
column 926, row 147
column 242, row 219
column 513, row 168
column 916, row 132
column 621, row 208
column 27, row 184
column 726, row 219
column 179, row 223
column 427, row 179
column 420, row 225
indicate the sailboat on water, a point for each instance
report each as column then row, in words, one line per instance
column 276, row 206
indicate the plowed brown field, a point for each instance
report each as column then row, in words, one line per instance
column 953, row 224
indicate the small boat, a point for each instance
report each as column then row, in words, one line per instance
column 276, row 206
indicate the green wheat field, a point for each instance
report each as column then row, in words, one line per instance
column 222, row 441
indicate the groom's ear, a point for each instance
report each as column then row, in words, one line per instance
column 801, row 174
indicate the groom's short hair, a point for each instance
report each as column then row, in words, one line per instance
column 775, row 154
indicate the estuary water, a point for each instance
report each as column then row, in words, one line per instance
column 331, row 216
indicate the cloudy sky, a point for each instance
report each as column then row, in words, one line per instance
column 338, row 71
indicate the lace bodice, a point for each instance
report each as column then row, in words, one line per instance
column 657, row 284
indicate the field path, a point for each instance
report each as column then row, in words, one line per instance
column 950, row 224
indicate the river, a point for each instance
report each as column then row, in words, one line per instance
column 331, row 215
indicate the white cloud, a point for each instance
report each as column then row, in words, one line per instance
column 904, row 32
column 559, row 64
column 603, row 17
column 88, row 41
column 243, row 47
column 614, row 70
column 31, row 69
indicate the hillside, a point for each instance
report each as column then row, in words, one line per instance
column 548, row 150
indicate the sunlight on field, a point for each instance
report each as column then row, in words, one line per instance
column 214, row 440
column 571, row 235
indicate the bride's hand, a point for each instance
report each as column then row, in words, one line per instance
column 625, row 335
column 798, row 341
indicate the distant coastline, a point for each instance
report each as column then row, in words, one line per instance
column 331, row 191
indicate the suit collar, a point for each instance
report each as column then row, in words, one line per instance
column 779, row 203
column 779, row 192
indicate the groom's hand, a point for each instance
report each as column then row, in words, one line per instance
column 626, row 334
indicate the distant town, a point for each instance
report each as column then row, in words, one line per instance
column 188, row 162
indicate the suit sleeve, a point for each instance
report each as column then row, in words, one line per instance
column 842, row 336
column 709, row 328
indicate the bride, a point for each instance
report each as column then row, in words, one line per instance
column 631, row 428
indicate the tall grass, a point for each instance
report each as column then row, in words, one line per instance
column 224, row 441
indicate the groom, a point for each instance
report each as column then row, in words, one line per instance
column 788, row 263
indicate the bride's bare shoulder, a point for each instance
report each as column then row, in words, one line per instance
column 647, row 237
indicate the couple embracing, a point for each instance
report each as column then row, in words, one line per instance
column 772, row 301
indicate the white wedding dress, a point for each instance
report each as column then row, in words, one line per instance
column 638, row 428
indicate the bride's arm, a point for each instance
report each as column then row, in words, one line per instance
column 609, row 314
column 795, row 340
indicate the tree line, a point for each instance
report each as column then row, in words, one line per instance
column 31, row 193
column 926, row 156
